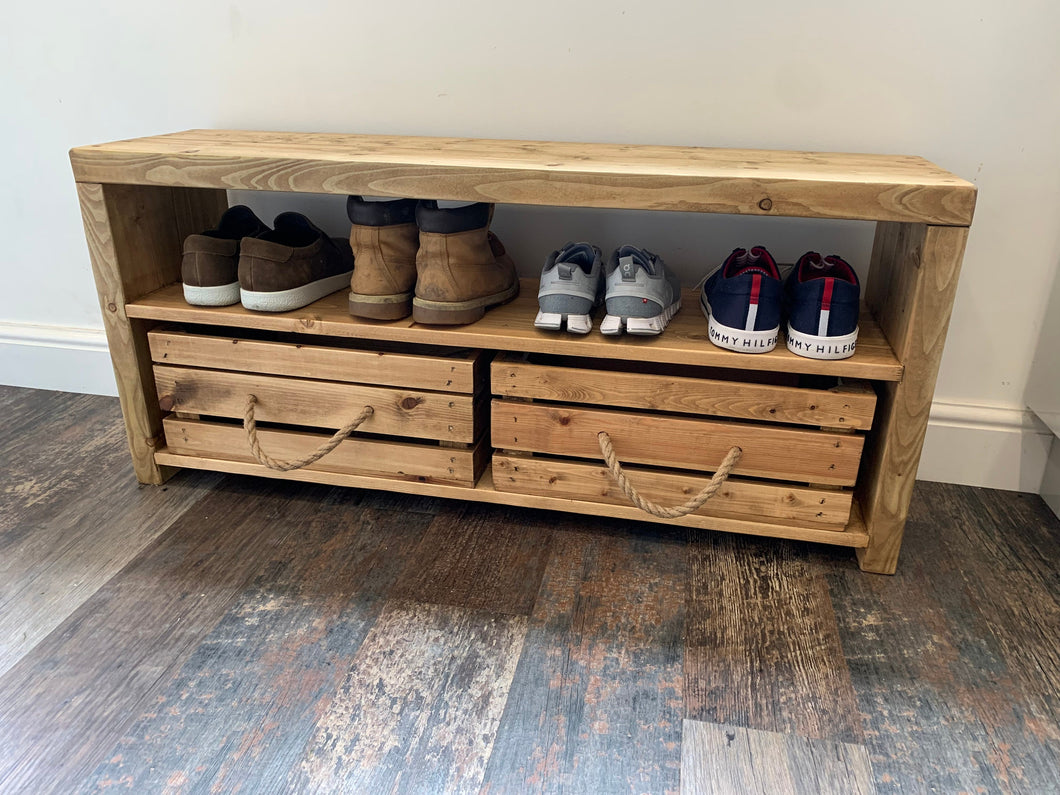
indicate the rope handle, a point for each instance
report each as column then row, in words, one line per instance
column 251, row 427
column 663, row 512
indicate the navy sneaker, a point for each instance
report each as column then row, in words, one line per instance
column 822, row 297
column 741, row 300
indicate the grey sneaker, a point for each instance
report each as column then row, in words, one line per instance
column 642, row 294
column 572, row 285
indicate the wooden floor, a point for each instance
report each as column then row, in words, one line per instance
column 224, row 634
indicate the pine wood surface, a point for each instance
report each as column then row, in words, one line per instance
column 678, row 442
column 459, row 466
column 916, row 269
column 738, row 498
column 134, row 237
column 511, row 328
column 323, row 404
column 325, row 362
column 741, row 181
column 271, row 627
column 852, row 407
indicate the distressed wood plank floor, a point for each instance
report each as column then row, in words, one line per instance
column 231, row 634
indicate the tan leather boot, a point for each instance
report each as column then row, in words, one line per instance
column 461, row 268
column 384, row 239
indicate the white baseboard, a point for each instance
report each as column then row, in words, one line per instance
column 1050, row 489
column 64, row 358
column 991, row 446
column 998, row 447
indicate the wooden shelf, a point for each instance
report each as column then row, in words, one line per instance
column 855, row 534
column 511, row 328
column 690, row 179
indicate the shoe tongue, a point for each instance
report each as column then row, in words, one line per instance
column 817, row 267
column 576, row 255
column 746, row 262
column 630, row 257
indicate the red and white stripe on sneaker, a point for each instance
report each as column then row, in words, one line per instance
column 826, row 307
column 752, row 309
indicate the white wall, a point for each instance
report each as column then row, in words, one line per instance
column 971, row 85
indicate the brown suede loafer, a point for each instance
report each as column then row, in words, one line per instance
column 210, row 266
column 292, row 266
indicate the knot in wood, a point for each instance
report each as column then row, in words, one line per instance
column 766, row 204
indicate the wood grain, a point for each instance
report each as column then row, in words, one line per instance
column 511, row 328
column 325, row 362
column 725, row 760
column 749, row 499
column 404, row 460
column 958, row 674
column 745, row 663
column 595, row 705
column 419, row 707
column 661, row 440
column 64, row 530
column 513, row 377
column 193, row 669
column 739, row 181
column 134, row 237
column 238, row 714
column 116, row 285
column 853, row 535
column 480, row 558
column 323, row 404
column 914, row 302
column 63, row 706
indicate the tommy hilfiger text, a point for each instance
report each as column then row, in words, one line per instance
column 828, row 349
column 732, row 340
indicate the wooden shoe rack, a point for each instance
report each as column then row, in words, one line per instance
column 500, row 412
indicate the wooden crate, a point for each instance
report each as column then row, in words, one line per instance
column 801, row 443
column 429, row 407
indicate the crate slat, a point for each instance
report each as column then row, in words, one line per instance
column 745, row 499
column 404, row 460
column 322, row 404
column 659, row 440
column 852, row 407
column 320, row 362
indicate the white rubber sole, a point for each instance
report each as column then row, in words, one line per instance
column 553, row 321
column 734, row 339
column 221, row 295
column 640, row 326
column 814, row 347
column 295, row 298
